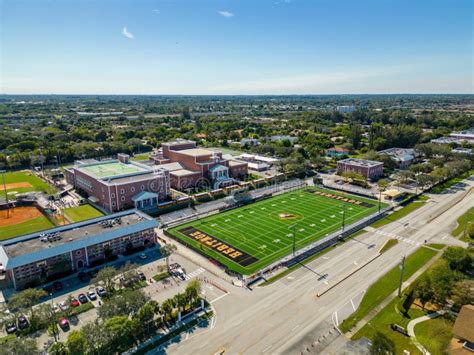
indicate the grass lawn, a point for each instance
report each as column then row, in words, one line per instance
column 459, row 230
column 25, row 176
column 435, row 334
column 82, row 213
column 398, row 214
column 34, row 225
column 388, row 283
column 390, row 243
column 140, row 157
column 261, row 233
column 381, row 322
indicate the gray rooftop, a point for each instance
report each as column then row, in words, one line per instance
column 360, row 162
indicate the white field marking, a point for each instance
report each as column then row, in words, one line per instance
column 251, row 212
column 273, row 205
column 227, row 220
column 213, row 225
column 239, row 216
column 301, row 230
column 293, row 198
column 276, row 240
column 350, row 208
column 289, row 235
column 218, row 298
column 312, row 225
column 267, row 348
column 333, row 216
column 323, row 220
column 263, row 208
column 262, row 246
column 353, row 306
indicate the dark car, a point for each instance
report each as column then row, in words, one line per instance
column 57, row 285
column 10, row 328
column 23, row 322
column 83, row 277
column 82, row 298
column 63, row 323
column 101, row 291
column 141, row 276
column 92, row 273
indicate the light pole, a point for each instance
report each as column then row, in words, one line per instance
column 402, row 267
column 294, row 236
column 343, row 216
column 5, row 192
column 380, row 199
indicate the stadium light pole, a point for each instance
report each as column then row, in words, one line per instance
column 5, row 192
column 294, row 236
column 380, row 199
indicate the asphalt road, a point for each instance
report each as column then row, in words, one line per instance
column 275, row 319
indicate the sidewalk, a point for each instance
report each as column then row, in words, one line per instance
column 389, row 299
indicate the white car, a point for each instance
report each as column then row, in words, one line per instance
column 54, row 307
column 63, row 305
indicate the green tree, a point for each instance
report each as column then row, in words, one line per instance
column 423, row 291
column 76, row 343
column 20, row 346
column 25, row 300
column 382, row 345
column 192, row 291
column 106, row 276
column 458, row 258
column 442, row 282
column 58, row 348
column 120, row 329
column 125, row 303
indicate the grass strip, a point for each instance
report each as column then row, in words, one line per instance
column 389, row 244
column 384, row 286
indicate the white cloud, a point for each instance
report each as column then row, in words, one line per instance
column 127, row 34
column 156, row 11
column 226, row 14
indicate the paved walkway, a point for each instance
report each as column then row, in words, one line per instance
column 411, row 329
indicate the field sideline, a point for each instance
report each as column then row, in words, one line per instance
column 261, row 233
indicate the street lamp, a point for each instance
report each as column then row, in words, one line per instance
column 402, row 267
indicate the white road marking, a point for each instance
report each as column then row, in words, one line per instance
column 195, row 273
column 337, row 320
column 218, row 298
column 294, row 328
column 353, row 306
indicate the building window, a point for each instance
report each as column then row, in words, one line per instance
column 113, row 195
column 113, row 204
column 143, row 187
column 123, row 198
column 122, row 191
column 132, row 189
column 78, row 252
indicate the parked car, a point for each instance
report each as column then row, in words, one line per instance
column 141, row 276
column 82, row 298
column 83, row 277
column 55, row 307
column 75, row 302
column 63, row 306
column 101, row 291
column 57, row 285
column 23, row 322
column 92, row 296
column 63, row 323
column 10, row 328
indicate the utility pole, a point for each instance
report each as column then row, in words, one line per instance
column 5, row 192
column 402, row 267
column 380, row 199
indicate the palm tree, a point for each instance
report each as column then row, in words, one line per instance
column 167, row 308
column 180, row 301
column 167, row 250
column 192, row 291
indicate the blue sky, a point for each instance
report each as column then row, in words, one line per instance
column 236, row 46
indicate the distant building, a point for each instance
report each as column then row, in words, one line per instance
column 249, row 142
column 404, row 157
column 116, row 185
column 346, row 108
column 40, row 257
column 258, row 162
column 368, row 168
column 283, row 138
column 466, row 136
column 337, row 152
column 467, row 151
column 188, row 165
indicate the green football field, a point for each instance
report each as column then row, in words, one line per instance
column 250, row 238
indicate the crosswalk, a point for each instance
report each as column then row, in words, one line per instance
column 398, row 237
column 195, row 273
